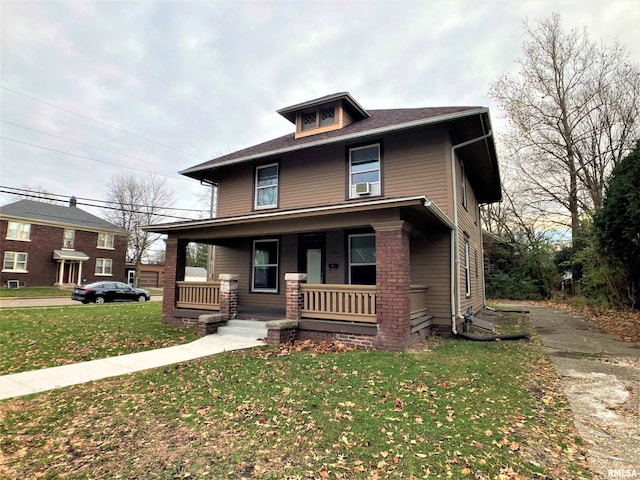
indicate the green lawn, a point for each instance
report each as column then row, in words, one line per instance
column 34, row 338
column 457, row 410
column 31, row 292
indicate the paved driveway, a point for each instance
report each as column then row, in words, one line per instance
column 600, row 375
column 50, row 302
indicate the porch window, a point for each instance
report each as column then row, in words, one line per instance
column 18, row 231
column 364, row 171
column 362, row 259
column 467, row 274
column 265, row 266
column 14, row 262
column 266, row 191
column 69, row 236
column 103, row 266
column 105, row 240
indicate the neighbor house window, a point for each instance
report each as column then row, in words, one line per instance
column 105, row 240
column 14, row 262
column 467, row 275
column 364, row 171
column 18, row 231
column 265, row 266
column 69, row 236
column 362, row 259
column 103, row 266
column 266, row 191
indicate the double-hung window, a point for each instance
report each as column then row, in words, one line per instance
column 265, row 266
column 14, row 262
column 467, row 268
column 362, row 259
column 103, row 266
column 266, row 188
column 105, row 240
column 69, row 237
column 18, row 231
column 364, row 171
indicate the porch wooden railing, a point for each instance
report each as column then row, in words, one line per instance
column 200, row 295
column 356, row 303
column 418, row 300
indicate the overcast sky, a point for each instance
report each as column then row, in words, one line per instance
column 167, row 85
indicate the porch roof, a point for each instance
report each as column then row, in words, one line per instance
column 418, row 204
column 70, row 255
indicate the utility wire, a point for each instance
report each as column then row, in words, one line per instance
column 80, row 143
column 47, row 195
column 99, row 121
column 87, row 158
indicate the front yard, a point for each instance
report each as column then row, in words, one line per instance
column 450, row 409
column 34, row 338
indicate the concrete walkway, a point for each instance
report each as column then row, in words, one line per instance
column 25, row 383
column 600, row 375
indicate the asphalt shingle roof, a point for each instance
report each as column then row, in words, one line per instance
column 50, row 213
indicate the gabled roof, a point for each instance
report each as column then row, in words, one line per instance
column 378, row 122
column 40, row 212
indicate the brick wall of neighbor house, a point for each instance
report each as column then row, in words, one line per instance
column 44, row 239
column 318, row 177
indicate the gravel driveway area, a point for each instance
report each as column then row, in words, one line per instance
column 600, row 375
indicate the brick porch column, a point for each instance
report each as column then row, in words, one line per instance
column 393, row 291
column 174, row 262
column 294, row 294
column 229, row 294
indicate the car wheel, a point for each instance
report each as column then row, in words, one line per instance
column 142, row 298
column 99, row 299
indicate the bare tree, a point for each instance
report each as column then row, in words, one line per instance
column 140, row 202
column 572, row 112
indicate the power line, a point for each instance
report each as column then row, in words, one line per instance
column 128, row 210
column 85, row 157
column 99, row 121
column 35, row 193
column 80, row 143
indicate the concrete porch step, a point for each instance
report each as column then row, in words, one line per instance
column 244, row 328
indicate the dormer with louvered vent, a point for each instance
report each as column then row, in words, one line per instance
column 324, row 114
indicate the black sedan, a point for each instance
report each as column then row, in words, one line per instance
column 101, row 292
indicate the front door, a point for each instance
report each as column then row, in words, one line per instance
column 311, row 259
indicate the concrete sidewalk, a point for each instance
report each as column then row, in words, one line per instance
column 25, row 383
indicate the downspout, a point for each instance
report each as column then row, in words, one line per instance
column 455, row 249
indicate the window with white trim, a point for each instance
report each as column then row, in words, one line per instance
column 69, row 238
column 15, row 262
column 364, row 171
column 467, row 273
column 103, row 266
column 266, row 188
column 362, row 259
column 265, row 266
column 18, row 231
column 105, row 240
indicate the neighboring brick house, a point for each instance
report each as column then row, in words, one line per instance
column 361, row 226
column 44, row 244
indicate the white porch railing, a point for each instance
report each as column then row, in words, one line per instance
column 418, row 300
column 356, row 303
column 200, row 295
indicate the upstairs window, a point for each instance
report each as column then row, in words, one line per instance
column 15, row 262
column 318, row 117
column 69, row 237
column 463, row 185
column 18, row 231
column 364, row 171
column 266, row 189
column 105, row 240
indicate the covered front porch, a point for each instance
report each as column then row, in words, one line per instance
column 359, row 274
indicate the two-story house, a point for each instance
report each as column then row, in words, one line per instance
column 43, row 244
column 361, row 225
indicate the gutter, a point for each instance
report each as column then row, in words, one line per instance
column 455, row 246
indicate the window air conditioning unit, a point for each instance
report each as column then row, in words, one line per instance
column 363, row 188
